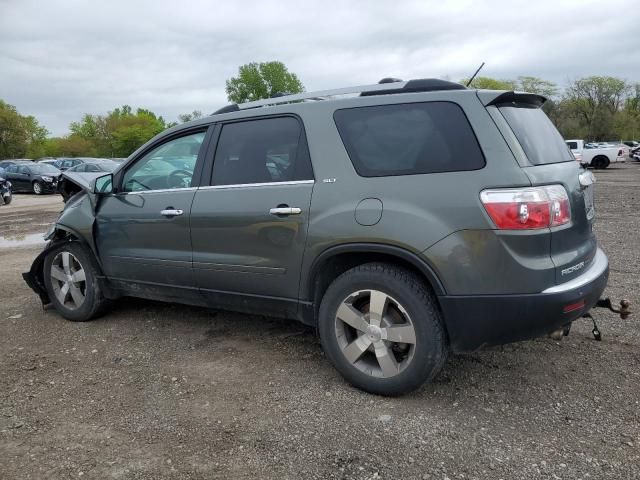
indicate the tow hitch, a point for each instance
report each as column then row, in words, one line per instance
column 624, row 312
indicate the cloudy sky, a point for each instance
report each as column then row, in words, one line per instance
column 60, row 59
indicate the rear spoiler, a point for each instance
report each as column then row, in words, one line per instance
column 496, row 97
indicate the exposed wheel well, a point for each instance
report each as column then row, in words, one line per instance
column 334, row 266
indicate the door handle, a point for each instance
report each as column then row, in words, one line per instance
column 285, row 211
column 171, row 212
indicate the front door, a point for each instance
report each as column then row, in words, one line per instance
column 249, row 226
column 142, row 235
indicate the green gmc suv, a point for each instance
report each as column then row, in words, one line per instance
column 404, row 220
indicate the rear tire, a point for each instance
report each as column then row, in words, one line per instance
column 7, row 199
column 71, row 279
column 600, row 162
column 359, row 340
column 37, row 188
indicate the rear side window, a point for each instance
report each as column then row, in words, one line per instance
column 572, row 145
column 409, row 139
column 539, row 138
column 261, row 151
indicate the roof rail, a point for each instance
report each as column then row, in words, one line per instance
column 385, row 87
column 317, row 95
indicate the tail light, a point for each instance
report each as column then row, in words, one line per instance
column 619, row 153
column 527, row 208
column 578, row 157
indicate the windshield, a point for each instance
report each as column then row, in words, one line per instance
column 539, row 138
column 44, row 168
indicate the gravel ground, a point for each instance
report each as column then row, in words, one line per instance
column 163, row 391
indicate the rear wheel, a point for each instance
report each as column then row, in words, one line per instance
column 70, row 276
column 381, row 328
column 7, row 199
column 600, row 162
column 37, row 188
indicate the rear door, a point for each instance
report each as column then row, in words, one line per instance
column 249, row 225
column 547, row 160
column 142, row 230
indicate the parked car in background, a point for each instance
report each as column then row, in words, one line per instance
column 67, row 163
column 632, row 144
column 48, row 161
column 6, row 163
column 5, row 191
column 595, row 156
column 32, row 177
column 95, row 165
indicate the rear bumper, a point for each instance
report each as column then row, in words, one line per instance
column 474, row 322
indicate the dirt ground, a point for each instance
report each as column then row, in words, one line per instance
column 163, row 391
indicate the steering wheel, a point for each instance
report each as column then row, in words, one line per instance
column 178, row 179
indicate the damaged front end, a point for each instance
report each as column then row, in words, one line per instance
column 75, row 224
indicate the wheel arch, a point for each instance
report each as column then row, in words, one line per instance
column 336, row 260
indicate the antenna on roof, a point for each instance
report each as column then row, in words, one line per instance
column 474, row 75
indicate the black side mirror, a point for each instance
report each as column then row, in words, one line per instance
column 103, row 184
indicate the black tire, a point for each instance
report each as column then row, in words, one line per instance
column 37, row 187
column 94, row 303
column 7, row 199
column 430, row 350
column 600, row 162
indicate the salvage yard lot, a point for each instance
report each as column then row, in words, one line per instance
column 164, row 391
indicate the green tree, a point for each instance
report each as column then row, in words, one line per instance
column 187, row 117
column 262, row 80
column 537, row 85
column 488, row 83
column 20, row 136
column 594, row 102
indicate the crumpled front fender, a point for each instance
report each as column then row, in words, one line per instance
column 35, row 276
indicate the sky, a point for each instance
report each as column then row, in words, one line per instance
column 61, row 59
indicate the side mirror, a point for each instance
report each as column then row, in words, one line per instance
column 103, row 184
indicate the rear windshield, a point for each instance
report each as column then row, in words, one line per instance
column 539, row 138
column 409, row 139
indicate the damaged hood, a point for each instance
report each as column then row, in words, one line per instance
column 82, row 179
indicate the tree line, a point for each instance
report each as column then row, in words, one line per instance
column 593, row 108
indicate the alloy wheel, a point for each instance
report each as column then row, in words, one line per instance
column 68, row 280
column 375, row 333
column 37, row 188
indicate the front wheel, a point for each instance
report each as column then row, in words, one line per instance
column 37, row 188
column 71, row 280
column 381, row 328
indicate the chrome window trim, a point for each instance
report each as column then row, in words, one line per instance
column 263, row 184
column 142, row 192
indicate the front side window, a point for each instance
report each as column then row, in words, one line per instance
column 24, row 170
column 409, row 139
column 167, row 166
column 261, row 151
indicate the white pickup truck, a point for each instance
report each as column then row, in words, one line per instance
column 597, row 157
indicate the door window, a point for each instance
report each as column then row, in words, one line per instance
column 167, row 166
column 12, row 169
column 24, row 170
column 261, row 151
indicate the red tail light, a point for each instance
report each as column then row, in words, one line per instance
column 619, row 153
column 527, row 208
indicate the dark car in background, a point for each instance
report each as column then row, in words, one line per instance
column 95, row 165
column 33, row 177
column 4, row 164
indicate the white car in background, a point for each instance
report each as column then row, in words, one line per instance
column 598, row 157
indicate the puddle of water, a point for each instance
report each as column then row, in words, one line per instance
column 22, row 240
